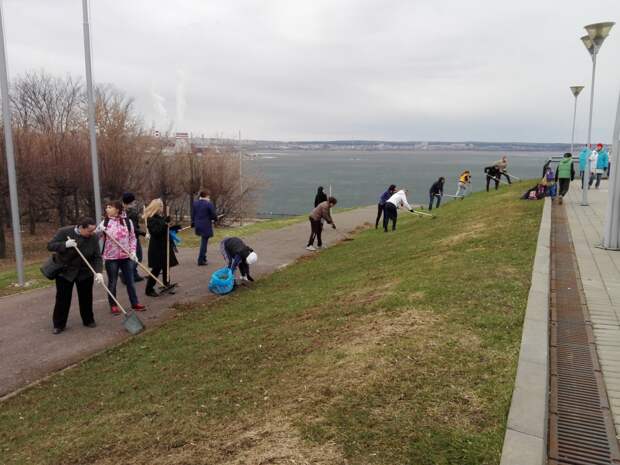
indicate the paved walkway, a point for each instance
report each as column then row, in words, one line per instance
column 600, row 277
column 29, row 351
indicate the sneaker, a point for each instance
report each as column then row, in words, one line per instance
column 202, row 263
column 151, row 293
column 115, row 310
column 139, row 307
column 92, row 324
column 57, row 330
column 311, row 248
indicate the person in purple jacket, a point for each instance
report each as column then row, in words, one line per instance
column 203, row 216
column 381, row 205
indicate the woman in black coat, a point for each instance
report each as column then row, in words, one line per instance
column 320, row 196
column 158, row 227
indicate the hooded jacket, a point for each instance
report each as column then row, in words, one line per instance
column 602, row 162
column 120, row 228
column 583, row 156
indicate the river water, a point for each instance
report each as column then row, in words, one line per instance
column 358, row 178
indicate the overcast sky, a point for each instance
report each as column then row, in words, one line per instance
column 485, row 70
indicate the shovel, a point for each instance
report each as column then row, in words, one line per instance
column 131, row 322
column 169, row 288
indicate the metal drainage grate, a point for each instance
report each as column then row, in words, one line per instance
column 581, row 430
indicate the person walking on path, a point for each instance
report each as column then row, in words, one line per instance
column 492, row 174
column 203, row 216
column 117, row 226
column 464, row 184
column 320, row 213
column 593, row 158
column 129, row 204
column 436, row 192
column 502, row 167
column 399, row 199
column 549, row 182
column 319, row 197
column 601, row 165
column 381, row 205
column 583, row 159
column 237, row 253
column 75, row 271
column 158, row 228
column 564, row 174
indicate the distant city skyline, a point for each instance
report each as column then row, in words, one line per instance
column 336, row 70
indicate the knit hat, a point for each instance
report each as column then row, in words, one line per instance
column 128, row 197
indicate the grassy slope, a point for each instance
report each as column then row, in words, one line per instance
column 394, row 348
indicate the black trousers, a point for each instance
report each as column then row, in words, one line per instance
column 150, row 282
column 390, row 213
column 503, row 173
column 489, row 179
column 564, row 185
column 64, row 292
column 431, row 198
column 380, row 209
column 316, row 228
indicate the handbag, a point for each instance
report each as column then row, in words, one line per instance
column 52, row 268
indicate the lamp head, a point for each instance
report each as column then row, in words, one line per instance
column 598, row 32
column 576, row 90
column 587, row 41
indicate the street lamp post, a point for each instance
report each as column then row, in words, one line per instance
column 91, row 111
column 10, row 157
column 576, row 90
column 597, row 33
column 611, row 236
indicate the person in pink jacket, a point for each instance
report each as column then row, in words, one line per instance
column 116, row 227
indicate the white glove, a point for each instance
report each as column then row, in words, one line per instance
column 148, row 236
column 98, row 278
column 133, row 257
column 70, row 243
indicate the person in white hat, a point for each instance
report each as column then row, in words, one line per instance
column 237, row 254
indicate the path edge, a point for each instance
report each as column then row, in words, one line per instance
column 525, row 441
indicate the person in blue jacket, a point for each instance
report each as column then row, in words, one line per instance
column 602, row 163
column 203, row 216
column 583, row 158
column 381, row 205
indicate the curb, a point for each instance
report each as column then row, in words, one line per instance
column 525, row 442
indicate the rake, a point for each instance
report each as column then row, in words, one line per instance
column 164, row 288
column 132, row 323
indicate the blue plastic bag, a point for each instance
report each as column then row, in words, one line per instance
column 222, row 281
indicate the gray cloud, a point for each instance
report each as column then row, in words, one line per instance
column 449, row 70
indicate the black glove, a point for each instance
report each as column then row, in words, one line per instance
column 250, row 278
column 192, row 225
column 167, row 219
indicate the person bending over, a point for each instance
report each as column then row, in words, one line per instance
column 237, row 253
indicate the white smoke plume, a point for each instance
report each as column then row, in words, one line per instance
column 181, row 101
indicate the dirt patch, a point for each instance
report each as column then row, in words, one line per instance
column 469, row 231
column 245, row 441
